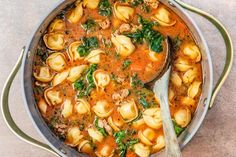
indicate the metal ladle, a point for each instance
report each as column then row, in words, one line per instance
column 159, row 84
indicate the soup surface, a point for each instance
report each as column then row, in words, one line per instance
column 90, row 71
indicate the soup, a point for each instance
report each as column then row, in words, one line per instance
column 90, row 71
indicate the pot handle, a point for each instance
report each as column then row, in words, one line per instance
column 227, row 41
column 6, row 111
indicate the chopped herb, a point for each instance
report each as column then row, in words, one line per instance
column 101, row 130
column 107, row 43
column 144, row 102
column 135, row 3
column 81, row 127
column 137, row 37
column 178, row 129
column 104, row 8
column 176, row 43
column 126, row 64
column 79, row 85
column 88, row 45
column 89, row 25
column 135, row 82
column 145, row 8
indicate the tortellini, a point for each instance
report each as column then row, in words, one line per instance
column 142, row 150
column 106, row 151
column 91, row 4
column 77, row 13
column 163, row 17
column 85, row 146
column 94, row 56
column 147, row 136
column 115, row 123
column 194, row 89
column 152, row 118
column 101, row 79
column 102, row 109
column 95, row 134
column 56, row 61
column 56, row 25
column 155, row 57
column 123, row 12
column 73, row 136
column 159, row 143
column 44, row 75
column 183, row 117
column 182, row 65
column 138, row 123
column 123, row 44
column 176, row 79
column 190, row 75
column 75, row 72
column 187, row 101
column 54, row 41
column 60, row 77
column 82, row 106
column 128, row 110
column 42, row 105
column 193, row 52
column 52, row 96
column 72, row 51
column 67, row 108
column 171, row 94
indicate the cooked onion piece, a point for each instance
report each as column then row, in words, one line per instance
column 52, row 96
column 106, row 151
column 159, row 143
column 95, row 134
column 94, row 56
column 102, row 109
column 183, row 117
column 73, row 136
column 60, row 77
column 128, row 110
column 123, row 44
column 75, row 72
column 82, row 106
column 141, row 150
column 193, row 52
column 76, row 13
column 85, row 147
column 72, row 51
column 123, row 12
column 101, row 79
column 163, row 17
column 56, row 25
column 176, row 79
column 194, row 89
column 152, row 118
column 182, row 65
column 147, row 136
column 190, row 75
column 42, row 105
column 54, row 41
column 56, row 61
column 91, row 4
column 44, row 75
column 67, row 108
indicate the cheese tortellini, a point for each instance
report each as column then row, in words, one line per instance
column 163, row 17
column 183, row 117
column 42, row 105
column 192, row 51
column 76, row 13
column 123, row 12
column 123, row 44
column 94, row 56
column 56, row 25
column 52, row 96
column 72, row 51
column 159, row 143
column 57, row 61
column 91, row 4
column 128, row 110
column 67, row 108
column 75, row 72
column 101, row 79
column 152, row 118
column 85, row 146
column 60, row 77
column 73, row 136
column 102, row 109
column 44, row 75
column 95, row 134
column 106, row 151
column 142, row 150
column 176, row 79
column 182, row 65
column 54, row 41
column 190, row 75
column 147, row 136
column 82, row 106
column 194, row 89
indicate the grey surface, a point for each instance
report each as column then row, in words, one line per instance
column 216, row 137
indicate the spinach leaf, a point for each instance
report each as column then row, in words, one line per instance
column 88, row 45
column 100, row 129
column 135, row 82
column 79, row 85
column 137, row 37
column 135, row 3
column 126, row 64
column 88, row 25
column 104, row 8
column 178, row 129
column 144, row 102
column 145, row 8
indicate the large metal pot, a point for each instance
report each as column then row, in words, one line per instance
column 56, row 146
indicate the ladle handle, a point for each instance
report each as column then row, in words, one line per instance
column 228, row 43
column 7, row 114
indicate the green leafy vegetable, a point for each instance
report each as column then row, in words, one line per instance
column 178, row 129
column 135, row 82
column 100, row 129
column 79, row 85
column 105, row 8
column 144, row 102
column 89, row 25
column 137, row 37
column 88, row 45
column 126, row 64
column 145, row 8
column 176, row 42
column 135, row 3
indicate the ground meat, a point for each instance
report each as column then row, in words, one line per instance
column 152, row 3
column 107, row 127
column 120, row 95
column 105, row 24
column 124, row 28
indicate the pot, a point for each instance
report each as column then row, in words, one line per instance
column 57, row 147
